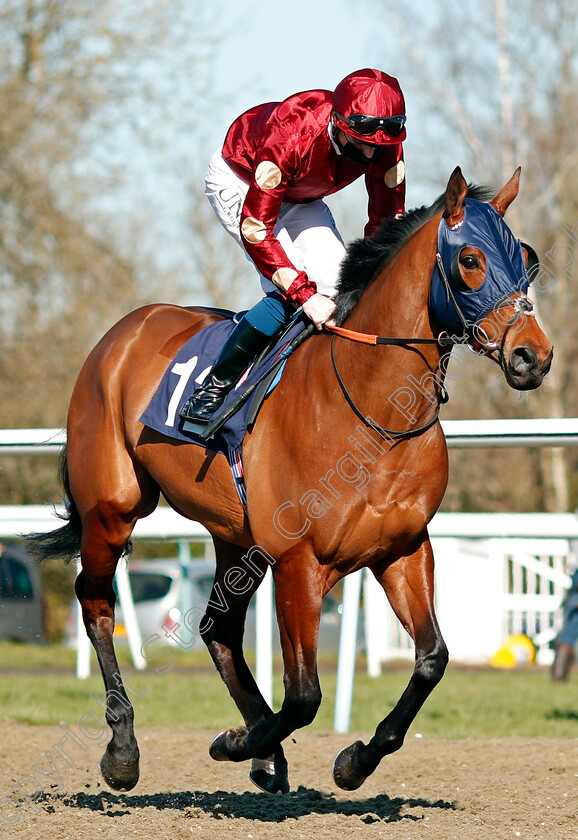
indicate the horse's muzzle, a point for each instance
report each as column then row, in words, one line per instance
column 523, row 369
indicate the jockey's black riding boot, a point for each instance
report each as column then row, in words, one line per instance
column 238, row 352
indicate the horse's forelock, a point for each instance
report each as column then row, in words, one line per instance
column 365, row 258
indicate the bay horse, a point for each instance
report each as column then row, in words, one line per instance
column 344, row 469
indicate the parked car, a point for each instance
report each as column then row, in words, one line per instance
column 165, row 591
column 21, row 603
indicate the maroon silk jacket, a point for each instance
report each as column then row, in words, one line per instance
column 283, row 150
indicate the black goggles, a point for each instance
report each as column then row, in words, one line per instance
column 366, row 126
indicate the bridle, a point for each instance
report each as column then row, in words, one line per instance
column 472, row 334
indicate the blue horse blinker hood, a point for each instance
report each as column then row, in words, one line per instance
column 483, row 228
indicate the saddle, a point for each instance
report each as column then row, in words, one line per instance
column 241, row 407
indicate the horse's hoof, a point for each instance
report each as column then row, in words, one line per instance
column 119, row 775
column 230, row 745
column 346, row 771
column 269, row 776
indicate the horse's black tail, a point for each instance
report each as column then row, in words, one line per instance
column 62, row 543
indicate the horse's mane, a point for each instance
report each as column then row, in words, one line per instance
column 365, row 258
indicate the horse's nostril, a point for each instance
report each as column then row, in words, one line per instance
column 523, row 359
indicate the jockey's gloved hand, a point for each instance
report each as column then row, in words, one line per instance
column 319, row 309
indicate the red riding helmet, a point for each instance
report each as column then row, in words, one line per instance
column 369, row 106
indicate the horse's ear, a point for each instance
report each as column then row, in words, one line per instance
column 456, row 192
column 508, row 193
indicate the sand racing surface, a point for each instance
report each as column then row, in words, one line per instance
column 436, row 789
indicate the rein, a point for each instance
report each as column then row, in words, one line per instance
column 387, row 433
column 367, row 338
column 520, row 304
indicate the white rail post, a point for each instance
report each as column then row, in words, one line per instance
column 129, row 615
column 82, row 640
column 347, row 651
column 186, row 595
column 264, row 638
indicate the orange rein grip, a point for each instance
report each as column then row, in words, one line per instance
column 363, row 338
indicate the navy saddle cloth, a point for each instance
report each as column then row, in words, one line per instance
column 186, row 372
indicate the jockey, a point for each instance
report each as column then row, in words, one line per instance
column 266, row 185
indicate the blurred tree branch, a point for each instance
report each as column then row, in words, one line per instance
column 86, row 89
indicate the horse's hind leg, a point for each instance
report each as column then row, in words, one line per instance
column 222, row 630
column 408, row 583
column 110, row 497
column 94, row 589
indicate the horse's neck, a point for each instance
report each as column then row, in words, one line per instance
column 396, row 302
column 395, row 305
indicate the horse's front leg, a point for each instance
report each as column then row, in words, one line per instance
column 222, row 630
column 299, row 590
column 408, row 583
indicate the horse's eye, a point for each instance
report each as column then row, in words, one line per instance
column 470, row 262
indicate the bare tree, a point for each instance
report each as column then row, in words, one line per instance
column 87, row 89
